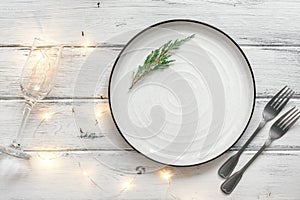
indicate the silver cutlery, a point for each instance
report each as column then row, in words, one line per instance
column 278, row 129
column 271, row 110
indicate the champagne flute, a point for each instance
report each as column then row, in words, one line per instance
column 37, row 80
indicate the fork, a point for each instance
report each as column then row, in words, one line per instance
column 271, row 110
column 278, row 129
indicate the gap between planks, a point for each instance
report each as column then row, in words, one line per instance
column 233, row 149
column 108, row 45
column 99, row 99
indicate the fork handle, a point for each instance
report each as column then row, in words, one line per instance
column 266, row 144
column 226, row 169
column 260, row 126
column 230, row 183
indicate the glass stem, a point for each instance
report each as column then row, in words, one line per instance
column 27, row 109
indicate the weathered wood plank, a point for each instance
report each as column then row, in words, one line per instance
column 269, row 34
column 62, row 131
column 249, row 22
column 273, row 67
column 62, row 178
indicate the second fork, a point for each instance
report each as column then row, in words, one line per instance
column 271, row 110
column 278, row 129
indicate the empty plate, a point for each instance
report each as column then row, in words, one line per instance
column 192, row 111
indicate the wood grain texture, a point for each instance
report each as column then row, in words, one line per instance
column 50, row 179
column 81, row 131
column 248, row 22
column 268, row 32
column 273, row 67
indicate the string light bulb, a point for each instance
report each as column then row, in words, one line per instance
column 86, row 44
column 166, row 174
column 100, row 110
column 85, row 173
column 127, row 185
column 47, row 116
column 46, row 159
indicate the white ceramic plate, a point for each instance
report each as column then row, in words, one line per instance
column 191, row 112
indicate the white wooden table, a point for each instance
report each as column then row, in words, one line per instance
column 268, row 32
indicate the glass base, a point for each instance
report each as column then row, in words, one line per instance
column 15, row 150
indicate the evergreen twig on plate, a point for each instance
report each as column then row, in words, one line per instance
column 158, row 59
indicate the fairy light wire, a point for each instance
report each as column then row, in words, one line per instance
column 126, row 186
column 86, row 174
column 167, row 175
column 46, row 117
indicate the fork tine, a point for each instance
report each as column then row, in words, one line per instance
column 284, row 100
column 292, row 122
column 276, row 95
column 285, row 115
column 288, row 118
column 282, row 95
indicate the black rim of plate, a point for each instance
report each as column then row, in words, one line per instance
column 190, row 21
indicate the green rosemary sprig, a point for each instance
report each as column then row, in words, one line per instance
column 158, row 59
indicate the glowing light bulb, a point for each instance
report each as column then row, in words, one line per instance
column 46, row 159
column 98, row 113
column 86, row 44
column 127, row 185
column 47, row 116
column 166, row 174
column 101, row 110
column 85, row 173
